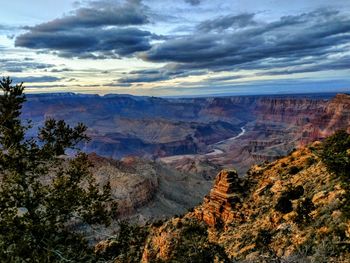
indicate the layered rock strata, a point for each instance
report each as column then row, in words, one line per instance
column 225, row 196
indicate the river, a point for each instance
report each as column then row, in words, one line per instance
column 217, row 151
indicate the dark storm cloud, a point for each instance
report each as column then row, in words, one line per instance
column 147, row 75
column 118, row 85
column 225, row 22
column 193, row 2
column 307, row 42
column 98, row 14
column 291, row 39
column 143, row 78
column 97, row 31
column 88, row 43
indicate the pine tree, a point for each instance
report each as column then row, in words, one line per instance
column 43, row 197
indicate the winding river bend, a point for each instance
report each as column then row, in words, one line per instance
column 216, row 150
column 232, row 138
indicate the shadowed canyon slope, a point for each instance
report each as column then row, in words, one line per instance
column 146, row 190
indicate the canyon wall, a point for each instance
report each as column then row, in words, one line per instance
column 200, row 129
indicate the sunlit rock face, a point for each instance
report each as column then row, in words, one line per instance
column 218, row 207
column 276, row 210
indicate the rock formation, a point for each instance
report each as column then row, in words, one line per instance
column 291, row 210
column 223, row 199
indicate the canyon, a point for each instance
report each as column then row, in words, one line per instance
column 196, row 130
column 155, row 151
column 121, row 125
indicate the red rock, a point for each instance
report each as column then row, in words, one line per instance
column 220, row 205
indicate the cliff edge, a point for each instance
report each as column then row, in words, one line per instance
column 291, row 210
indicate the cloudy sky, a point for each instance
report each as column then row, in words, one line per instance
column 181, row 48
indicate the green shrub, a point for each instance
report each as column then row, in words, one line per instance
column 42, row 197
column 335, row 154
column 283, row 165
column 303, row 210
column 310, row 161
column 194, row 245
column 284, row 204
column 263, row 238
column 128, row 246
column 294, row 170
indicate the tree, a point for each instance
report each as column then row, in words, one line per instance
column 335, row 153
column 44, row 197
column 194, row 245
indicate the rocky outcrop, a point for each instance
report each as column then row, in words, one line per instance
column 223, row 199
column 291, row 210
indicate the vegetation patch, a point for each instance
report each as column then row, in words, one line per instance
column 44, row 199
column 126, row 247
column 335, row 153
column 294, row 170
column 284, row 203
column 194, row 245
column 303, row 210
column 263, row 238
